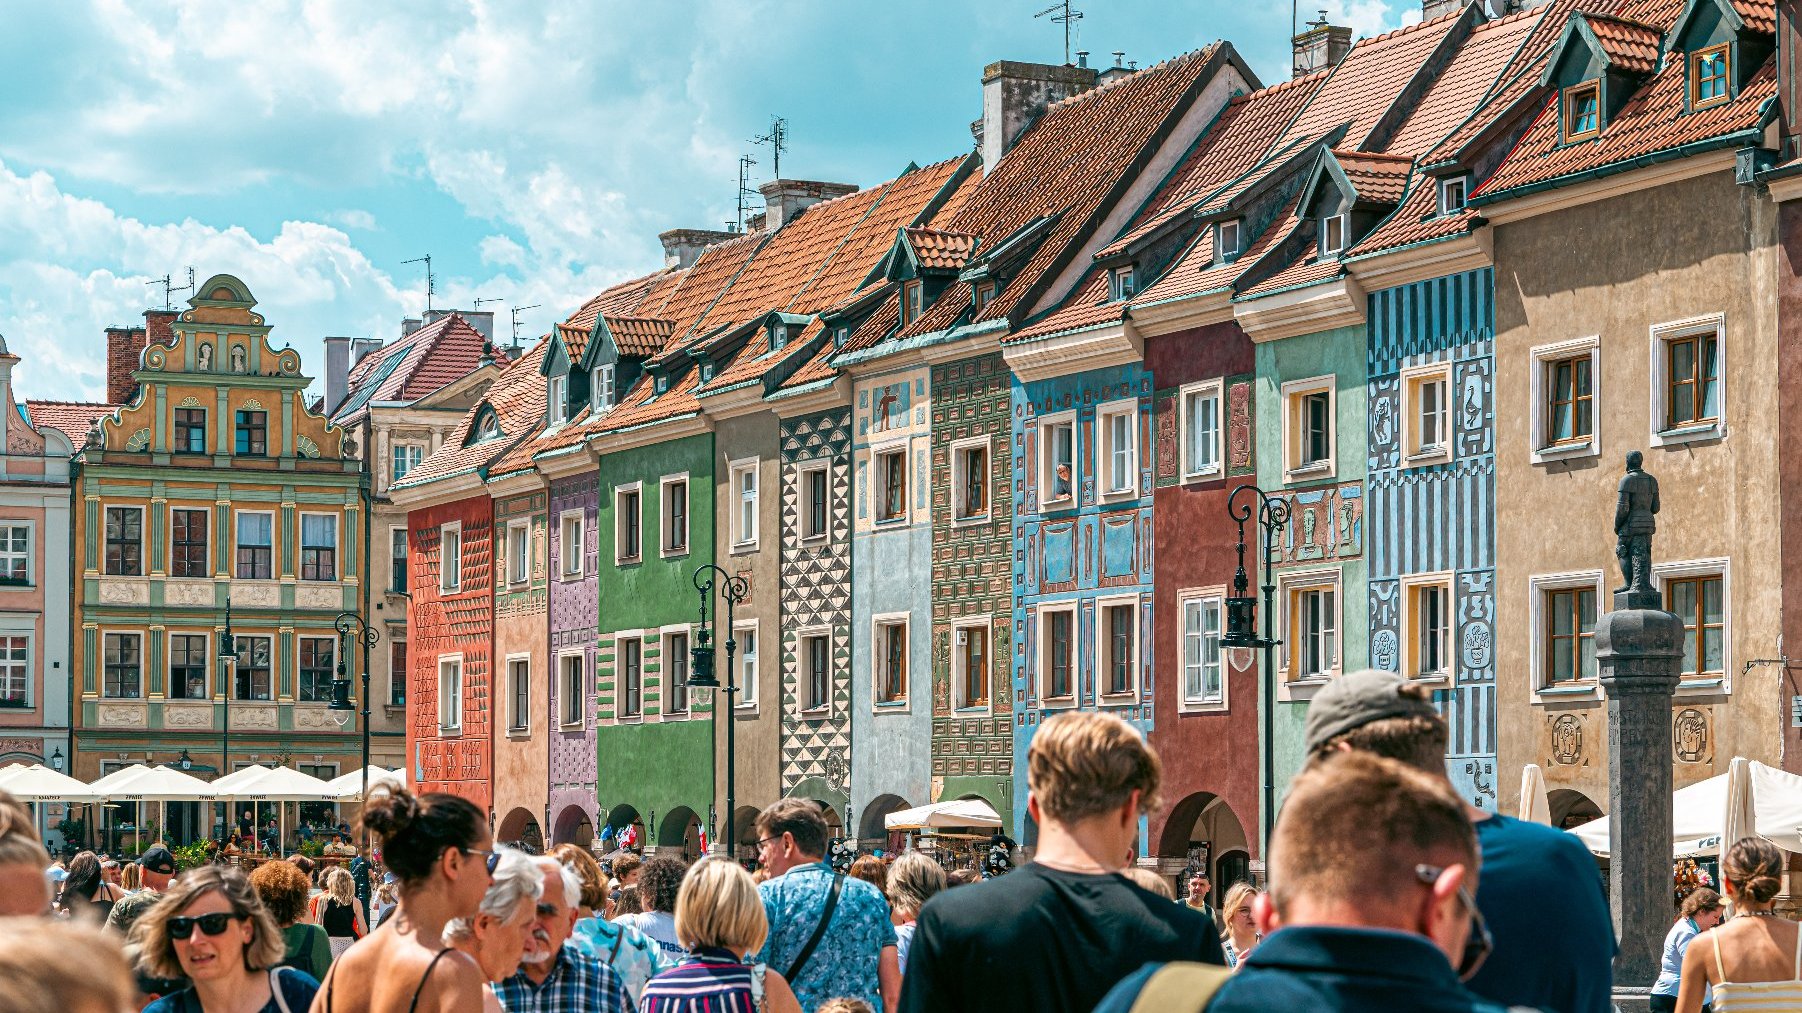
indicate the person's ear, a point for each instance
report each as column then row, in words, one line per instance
column 1263, row 912
column 1032, row 808
column 1130, row 813
column 1443, row 918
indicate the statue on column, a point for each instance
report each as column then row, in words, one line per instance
column 1635, row 519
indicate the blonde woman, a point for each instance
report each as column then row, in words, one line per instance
column 497, row 933
column 339, row 913
column 912, row 881
column 1241, row 932
column 211, row 929
column 719, row 919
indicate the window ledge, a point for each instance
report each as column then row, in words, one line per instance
column 816, row 713
column 1309, row 472
column 1060, row 503
column 521, row 733
column 628, row 560
column 891, row 705
column 1206, row 475
column 1564, row 451
column 819, row 539
column 1567, row 691
column 1057, row 702
column 746, row 710
column 982, row 710
column 1119, row 699
column 674, row 552
column 1714, row 686
column 1441, row 454
column 1436, row 681
column 1111, row 495
column 971, row 521
column 1304, row 689
column 442, row 730
column 891, row 522
column 1206, row 707
column 1689, row 434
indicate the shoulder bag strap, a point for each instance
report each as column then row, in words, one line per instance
column 1180, row 988
column 819, row 931
column 275, row 989
column 619, row 939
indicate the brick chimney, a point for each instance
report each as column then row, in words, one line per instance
column 682, row 247
column 124, row 348
column 783, row 199
column 1013, row 97
column 159, row 327
column 1321, row 46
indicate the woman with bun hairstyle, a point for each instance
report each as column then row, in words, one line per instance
column 1754, row 961
column 442, row 857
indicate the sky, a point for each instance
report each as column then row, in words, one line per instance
column 533, row 149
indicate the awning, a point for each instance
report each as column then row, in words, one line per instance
column 38, row 783
column 1699, row 812
column 152, row 784
column 272, row 784
column 349, row 787
column 963, row 812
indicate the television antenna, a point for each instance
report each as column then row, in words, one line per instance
column 170, row 288
column 431, row 281
column 477, row 302
column 777, row 139
column 515, row 313
column 744, row 189
column 1062, row 12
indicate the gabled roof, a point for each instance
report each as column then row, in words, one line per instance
column 1625, row 46
column 1369, row 79
column 1473, row 72
column 72, row 418
column 439, row 353
column 1373, row 179
column 640, row 337
column 517, row 401
column 939, row 250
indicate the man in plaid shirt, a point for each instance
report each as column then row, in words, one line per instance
column 554, row 977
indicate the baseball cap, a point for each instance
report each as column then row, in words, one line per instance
column 1356, row 699
column 56, row 874
column 158, row 859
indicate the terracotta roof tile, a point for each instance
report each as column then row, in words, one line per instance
column 639, row 336
column 1631, row 47
column 1306, row 270
column 941, row 251
column 72, row 418
column 903, row 202
column 1195, row 272
column 816, row 369
column 1087, row 307
column 1466, row 80
column 621, row 298
column 517, row 398
column 441, row 352
column 1380, row 179
column 1367, row 81
column 1416, row 221
column 574, row 339
column 880, row 323
column 702, row 284
column 1759, row 15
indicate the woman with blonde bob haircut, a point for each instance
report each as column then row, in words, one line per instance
column 1241, row 934
column 211, row 929
column 719, row 918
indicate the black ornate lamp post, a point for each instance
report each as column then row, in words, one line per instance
column 701, row 673
column 352, row 626
column 1241, row 621
column 228, row 662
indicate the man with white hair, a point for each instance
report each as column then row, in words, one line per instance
column 554, row 977
column 497, row 934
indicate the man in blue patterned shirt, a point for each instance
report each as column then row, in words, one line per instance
column 855, row 956
column 554, row 977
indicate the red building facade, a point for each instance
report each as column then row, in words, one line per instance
column 450, row 746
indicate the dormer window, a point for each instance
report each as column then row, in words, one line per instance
column 488, row 428
column 1120, row 284
column 840, row 336
column 706, row 372
column 984, row 291
column 1226, row 242
column 778, row 337
column 1332, row 235
column 663, row 385
column 559, row 404
column 600, row 387
column 1452, row 193
column 913, row 302
column 1708, row 77
column 1582, row 110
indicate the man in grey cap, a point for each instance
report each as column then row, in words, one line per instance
column 157, row 865
column 1563, row 963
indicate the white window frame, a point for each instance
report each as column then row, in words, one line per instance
column 212, row 662
column 1043, row 652
column 602, row 378
column 1122, row 283
column 1409, row 631
column 664, row 548
column 519, row 563
column 1539, row 408
column 619, row 675
column 745, row 525
column 1288, row 585
column 1537, row 587
column 31, row 653
column 1202, row 597
column 804, row 473
column 1661, row 335
column 804, row 674
column 960, row 478
column 620, row 557
column 1413, row 380
column 1228, row 240
column 1104, row 643
column 31, row 542
column 1461, row 185
column 1208, row 390
column 879, row 657
column 450, row 573
column 1721, row 567
column 1328, row 248
column 1105, row 414
column 748, row 663
column 879, row 482
column 960, row 673
column 397, row 452
column 450, row 704
column 517, row 723
column 143, row 664
column 572, row 549
column 1046, row 425
column 666, row 663
column 557, row 400
column 1293, row 393
column 275, row 561
column 561, row 674
column 300, row 546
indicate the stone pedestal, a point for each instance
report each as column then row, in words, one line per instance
column 1639, row 650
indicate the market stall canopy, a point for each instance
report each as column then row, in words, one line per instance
column 152, row 784
column 1699, row 812
column 272, row 784
column 349, row 787
column 1534, row 808
column 38, row 783
column 964, row 812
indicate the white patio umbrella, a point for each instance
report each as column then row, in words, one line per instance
column 1534, row 806
column 139, row 783
column 273, row 784
column 1699, row 813
column 349, row 787
column 963, row 812
column 38, row 784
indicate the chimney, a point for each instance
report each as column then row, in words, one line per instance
column 360, row 347
column 159, row 327
column 1321, row 46
column 754, row 221
column 785, row 199
column 1117, row 71
column 682, row 247
column 481, row 320
column 337, row 372
column 1430, row 9
column 1013, row 96
column 409, row 325
column 124, row 348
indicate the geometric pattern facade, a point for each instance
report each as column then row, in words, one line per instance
column 574, row 606
column 816, row 592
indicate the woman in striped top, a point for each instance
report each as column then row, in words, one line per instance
column 719, row 918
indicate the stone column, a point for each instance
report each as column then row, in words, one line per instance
column 1639, row 650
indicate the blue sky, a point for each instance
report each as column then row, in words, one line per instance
column 534, row 149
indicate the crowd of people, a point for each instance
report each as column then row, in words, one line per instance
column 1385, row 891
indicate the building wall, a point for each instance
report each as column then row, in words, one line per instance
column 459, row 624
column 1615, row 269
column 521, row 756
column 574, row 608
column 757, row 775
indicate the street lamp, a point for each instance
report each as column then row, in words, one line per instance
column 186, row 762
column 56, row 760
column 350, row 625
column 1241, row 622
column 228, row 658
column 701, row 673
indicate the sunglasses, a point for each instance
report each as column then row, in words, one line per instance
column 1479, row 943
column 491, row 861
column 181, row 927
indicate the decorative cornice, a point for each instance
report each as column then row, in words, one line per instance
column 565, row 461
column 1589, row 191
column 520, row 481
column 1043, row 358
column 822, row 395
column 692, row 424
column 440, row 491
column 1162, row 318
column 1438, row 258
column 1306, row 310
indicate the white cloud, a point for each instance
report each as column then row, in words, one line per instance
column 352, row 218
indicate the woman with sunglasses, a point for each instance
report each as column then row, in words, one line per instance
column 212, row 930
column 442, row 857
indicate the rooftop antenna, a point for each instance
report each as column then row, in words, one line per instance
column 431, row 281
column 477, row 302
column 1062, row 12
column 516, row 311
column 777, row 139
column 744, row 190
column 169, row 287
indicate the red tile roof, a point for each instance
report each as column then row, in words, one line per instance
column 1759, row 15
column 621, row 298
column 1368, row 81
column 1379, row 179
column 73, row 418
column 1630, row 46
column 1416, row 221
column 941, row 251
column 1087, row 307
column 517, row 397
column 1466, row 80
column 441, row 352
column 574, row 339
column 639, row 336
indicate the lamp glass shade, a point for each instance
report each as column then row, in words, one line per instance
column 340, row 696
column 1241, row 623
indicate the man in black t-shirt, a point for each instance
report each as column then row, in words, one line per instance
column 1058, row 933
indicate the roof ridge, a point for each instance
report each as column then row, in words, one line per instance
column 76, row 404
column 1617, row 19
column 1203, row 53
column 1408, row 29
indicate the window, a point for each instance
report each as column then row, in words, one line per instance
column 1426, row 415
column 450, row 694
column 675, row 516
column 1332, row 235
column 252, row 432
column 816, row 670
column 980, row 294
column 1708, row 77
column 450, row 558
column 406, row 457
column 913, row 299
column 190, row 431
column 1313, row 624
column 519, row 551
column 744, row 503
column 970, row 480
column 572, row 689
column 1582, row 110
column 814, row 498
column 1570, row 640
column 675, row 657
column 970, row 654
column 1226, row 241
column 557, row 404
column 123, row 660
column 1119, row 449
column 15, row 671
column 1308, row 420
column 1427, row 627
column 188, row 543
column 1200, row 424
column 600, row 386
column 627, row 521
column 569, row 544
column 1688, row 374
column 778, row 337
column 256, row 546
column 397, row 673
column 317, row 660
column 891, row 661
column 125, row 541
column 189, row 659
column 1571, row 408
column 1119, row 635
column 1120, row 283
column 397, row 560
column 15, row 555
column 255, row 669
column 1452, row 192
column 746, row 635
column 891, row 484
column 519, row 688
column 1700, row 602
column 631, row 678
column 1057, row 653
column 1565, row 398
column 1057, row 456
column 1202, row 674
column 318, row 547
